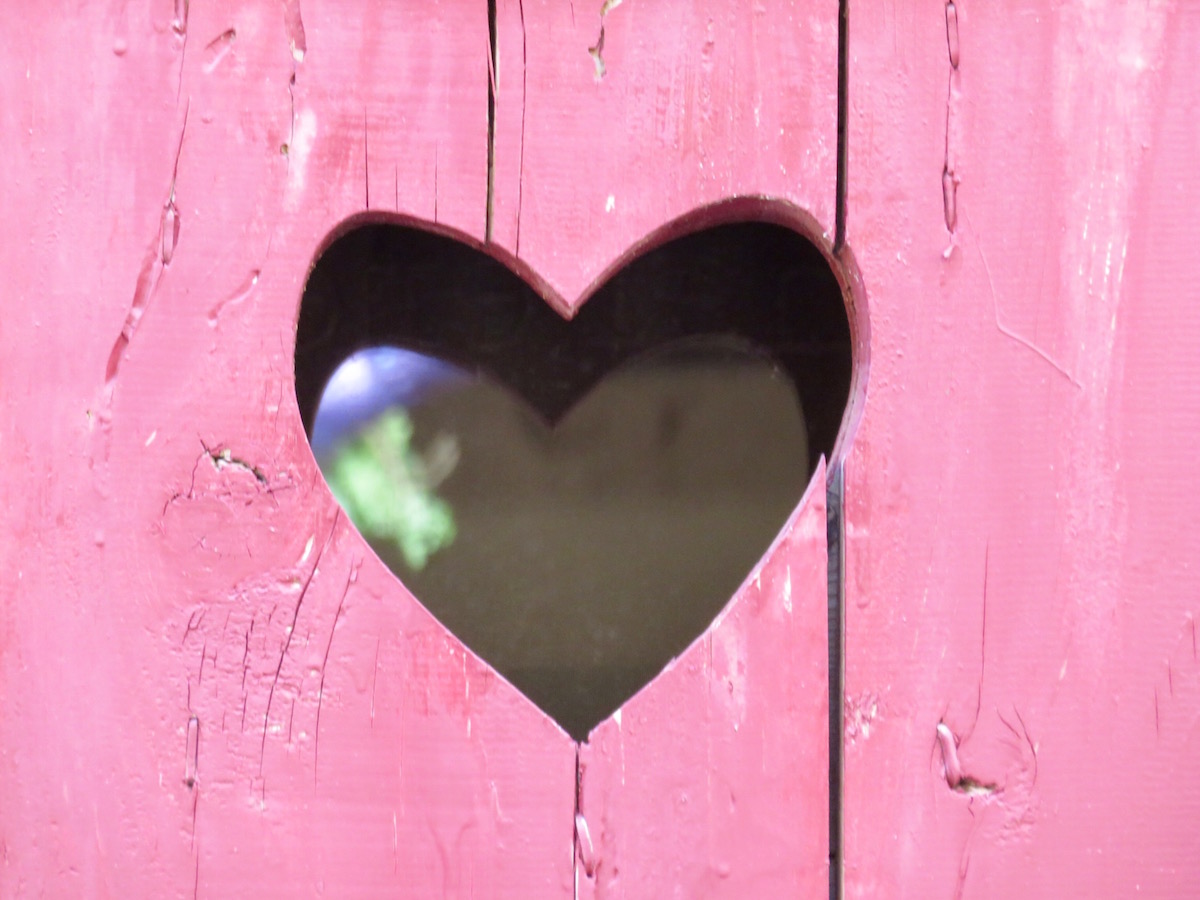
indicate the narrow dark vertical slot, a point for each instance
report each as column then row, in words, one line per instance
column 835, row 524
column 491, row 117
column 836, row 543
column 843, row 115
column 836, row 531
column 575, row 822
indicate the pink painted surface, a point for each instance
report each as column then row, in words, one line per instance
column 1021, row 495
column 713, row 781
column 697, row 103
column 172, row 617
column 208, row 684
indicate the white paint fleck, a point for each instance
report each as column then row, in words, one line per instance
column 860, row 714
column 153, row 435
column 587, row 850
column 610, row 204
column 304, row 133
column 728, row 681
column 307, row 550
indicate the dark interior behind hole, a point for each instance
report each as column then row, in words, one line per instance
column 746, row 307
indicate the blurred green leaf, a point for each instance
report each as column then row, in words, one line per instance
column 384, row 485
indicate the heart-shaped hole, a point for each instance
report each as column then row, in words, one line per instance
column 575, row 500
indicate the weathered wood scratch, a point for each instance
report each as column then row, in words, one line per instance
column 194, row 621
column 1004, row 329
column 374, row 679
column 950, row 180
column 291, row 631
column 153, row 263
column 964, row 864
column 982, row 643
column 246, row 654
column 1029, row 742
column 524, row 106
column 179, row 25
column 351, row 576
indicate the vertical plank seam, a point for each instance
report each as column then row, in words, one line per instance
column 524, row 99
column 835, row 549
column 575, row 824
column 843, row 114
column 491, row 121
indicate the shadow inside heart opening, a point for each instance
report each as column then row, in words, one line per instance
column 576, row 501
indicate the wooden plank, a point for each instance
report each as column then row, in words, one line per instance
column 713, row 781
column 613, row 119
column 1022, row 681
column 613, row 122
column 209, row 685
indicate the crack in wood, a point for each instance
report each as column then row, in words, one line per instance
column 950, row 179
column 836, row 555
column 290, row 632
column 491, row 122
column 351, row 577
column 843, row 119
column 524, row 106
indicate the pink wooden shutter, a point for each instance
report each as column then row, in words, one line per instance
column 211, row 687
column 1022, row 685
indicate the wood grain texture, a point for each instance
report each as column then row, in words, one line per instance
column 713, row 780
column 613, row 122
column 697, row 103
column 208, row 684
column 1021, row 498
